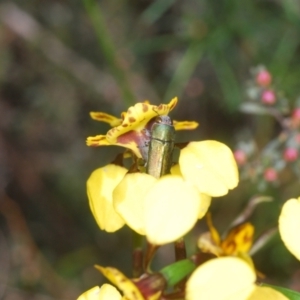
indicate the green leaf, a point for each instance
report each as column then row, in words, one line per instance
column 226, row 76
column 292, row 295
column 184, row 70
column 156, row 10
column 174, row 273
column 109, row 50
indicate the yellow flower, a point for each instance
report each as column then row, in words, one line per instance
column 227, row 278
column 106, row 292
column 237, row 242
column 289, row 226
column 149, row 287
column 100, row 186
column 163, row 209
column 132, row 130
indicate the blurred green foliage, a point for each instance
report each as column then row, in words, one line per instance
column 59, row 60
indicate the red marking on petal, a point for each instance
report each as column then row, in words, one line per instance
column 132, row 120
column 150, row 123
column 124, row 125
column 129, row 137
column 247, row 238
column 140, row 139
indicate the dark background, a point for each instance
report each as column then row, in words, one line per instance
column 59, row 60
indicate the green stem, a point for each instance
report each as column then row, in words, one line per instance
column 108, row 49
column 137, row 255
column 150, row 251
column 180, row 254
column 180, row 250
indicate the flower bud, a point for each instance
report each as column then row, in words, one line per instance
column 268, row 97
column 296, row 114
column 151, row 286
column 295, row 118
column 240, row 157
column 270, row 175
column 290, row 154
column 263, row 78
column 297, row 138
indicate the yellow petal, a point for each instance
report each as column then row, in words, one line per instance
column 239, row 239
column 247, row 259
column 91, row 294
column 205, row 199
column 266, row 293
column 205, row 204
column 98, row 140
column 171, row 209
column 100, row 186
column 210, row 166
column 289, row 226
column 225, row 278
column 213, row 231
column 130, row 133
column 175, row 170
column 129, row 198
column 106, row 292
column 206, row 244
column 156, row 296
column 123, row 283
column 185, row 125
column 104, row 117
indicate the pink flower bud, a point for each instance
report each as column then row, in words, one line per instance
column 297, row 138
column 270, row 175
column 290, row 154
column 296, row 114
column 268, row 97
column 240, row 157
column 263, row 78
